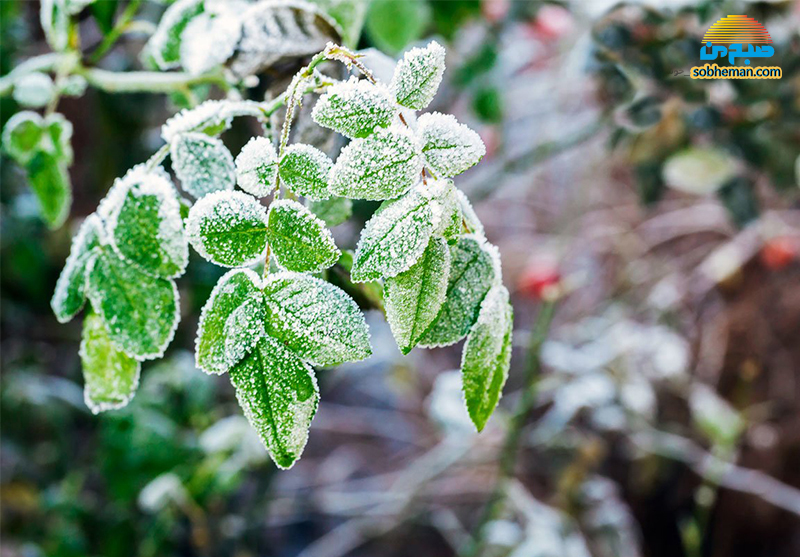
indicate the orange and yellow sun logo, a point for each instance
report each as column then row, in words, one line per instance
column 737, row 29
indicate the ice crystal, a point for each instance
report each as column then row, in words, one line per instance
column 243, row 329
column 449, row 147
column 418, row 75
column 355, row 108
column 203, row 164
column 298, row 239
column 305, row 170
column 209, row 117
column 257, row 167
column 70, row 292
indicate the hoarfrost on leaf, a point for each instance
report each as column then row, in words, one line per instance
column 209, row 40
column 209, row 117
column 165, row 44
column 203, row 164
column 305, row 170
column 49, row 180
column 449, row 147
column 228, row 228
column 279, row 396
column 34, row 90
column 487, row 356
column 418, row 75
column 110, row 376
column 140, row 311
column 21, row 136
column 54, row 18
column 231, row 291
column 384, row 165
column 413, row 298
column 299, row 240
column 394, row 238
column 355, row 108
column 471, row 220
column 315, row 319
column 257, row 167
column 70, row 292
column 243, row 329
column 333, row 211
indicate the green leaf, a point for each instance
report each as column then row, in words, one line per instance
column 418, row 75
column 228, row 228
column 394, row 238
column 104, row 13
column 147, row 228
column 165, row 44
column 487, row 356
column 349, row 14
column 315, row 320
column 279, row 395
column 50, row 182
column 209, row 118
column 472, row 273
column 244, row 327
column 54, row 18
column 413, row 298
column 449, row 147
column 110, row 376
column 355, row 108
column 203, row 164
column 304, row 170
column 392, row 24
column 299, row 240
column 333, row 211
column 382, row 166
column 471, row 220
column 257, row 167
column 141, row 312
column 21, row 136
column 231, row 291
column 70, row 292
column 57, row 137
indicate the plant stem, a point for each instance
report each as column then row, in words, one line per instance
column 508, row 455
column 146, row 82
column 119, row 28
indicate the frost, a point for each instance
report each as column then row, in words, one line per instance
column 471, row 219
column 54, row 18
column 257, row 167
column 34, row 90
column 413, row 298
column 243, row 329
column 472, row 273
column 449, row 147
column 209, row 40
column 487, row 356
column 333, row 211
column 165, row 44
column 382, row 166
column 355, row 108
column 146, row 227
column 418, row 75
column 279, row 396
column 209, row 117
column 140, row 312
column 110, row 376
column 299, row 240
column 230, row 292
column 394, row 238
column 316, row 320
column 21, row 136
column 203, row 164
column 304, row 170
column 70, row 292
column 447, row 214
column 57, row 136
column 228, row 228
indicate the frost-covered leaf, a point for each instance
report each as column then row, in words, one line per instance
column 487, row 355
column 333, row 211
column 418, row 76
column 49, row 180
column 299, row 240
column 304, row 170
column 382, row 166
column 35, row 89
column 355, row 108
column 699, row 170
column 228, row 228
column 54, row 18
column 21, row 136
column 279, row 395
column 244, row 327
column 275, row 29
column 57, row 137
column 349, row 14
column 394, row 238
column 209, row 40
column 141, row 312
column 110, row 376
column 165, row 44
column 315, row 319
column 446, row 209
column 70, row 292
column 203, row 164
column 257, row 167
column 146, row 228
column 449, row 147
column 230, row 292
column 471, row 220
column 413, row 298
column 209, row 117
column 472, row 273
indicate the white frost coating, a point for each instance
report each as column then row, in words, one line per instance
column 164, row 39
column 203, row 164
column 305, row 171
column 228, row 228
column 449, row 147
column 119, row 189
column 209, row 40
column 17, row 120
column 257, row 167
column 355, row 108
column 34, row 90
column 209, row 114
column 70, row 292
column 470, row 218
column 418, row 75
column 243, row 329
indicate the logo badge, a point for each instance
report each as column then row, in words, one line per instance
column 736, row 37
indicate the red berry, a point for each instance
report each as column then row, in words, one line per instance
column 779, row 251
column 540, row 281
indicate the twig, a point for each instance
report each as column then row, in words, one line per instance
column 113, row 36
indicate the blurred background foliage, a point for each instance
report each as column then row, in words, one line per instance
column 667, row 413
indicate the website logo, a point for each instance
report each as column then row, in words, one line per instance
column 736, row 37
